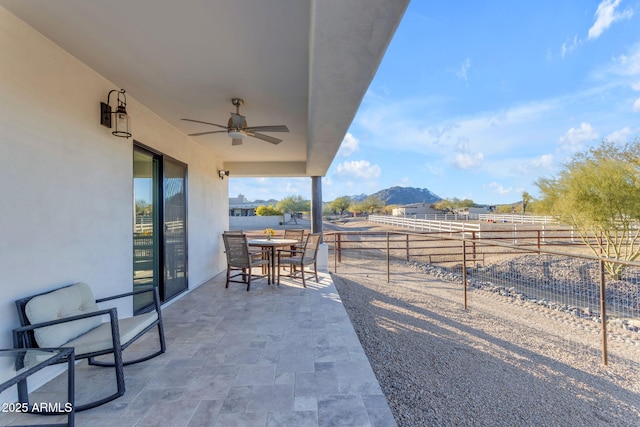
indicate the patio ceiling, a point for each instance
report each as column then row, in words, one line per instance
column 302, row 63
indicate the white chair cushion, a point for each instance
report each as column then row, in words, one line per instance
column 99, row 339
column 70, row 301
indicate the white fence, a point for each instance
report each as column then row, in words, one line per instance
column 425, row 224
column 518, row 219
column 144, row 224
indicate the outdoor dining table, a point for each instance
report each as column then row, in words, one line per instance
column 272, row 244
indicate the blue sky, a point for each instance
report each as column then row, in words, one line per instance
column 479, row 100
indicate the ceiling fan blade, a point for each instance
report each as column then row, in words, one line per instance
column 206, row 133
column 267, row 138
column 236, row 141
column 273, row 128
column 205, row 123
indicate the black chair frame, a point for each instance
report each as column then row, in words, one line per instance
column 23, row 337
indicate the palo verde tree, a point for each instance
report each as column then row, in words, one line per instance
column 371, row 204
column 293, row 205
column 598, row 193
column 341, row 204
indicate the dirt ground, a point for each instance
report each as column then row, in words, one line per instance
column 501, row 362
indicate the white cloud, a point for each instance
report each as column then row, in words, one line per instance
column 621, row 135
column 405, row 182
column 635, row 86
column 467, row 160
column 464, row 158
column 636, row 106
column 536, row 165
column 435, row 170
column 359, row 169
column 574, row 139
column 464, row 68
column 350, row 144
column 630, row 64
column 606, row 15
column 499, row 189
column 570, row 45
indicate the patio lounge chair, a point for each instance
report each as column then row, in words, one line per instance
column 70, row 317
column 301, row 257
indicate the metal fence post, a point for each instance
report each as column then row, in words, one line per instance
column 603, row 314
column 388, row 258
column 464, row 271
column 335, row 253
column 407, row 246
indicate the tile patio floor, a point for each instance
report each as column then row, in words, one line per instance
column 273, row 356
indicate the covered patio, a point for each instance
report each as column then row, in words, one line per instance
column 274, row 356
column 116, row 211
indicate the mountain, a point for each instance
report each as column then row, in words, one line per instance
column 402, row 196
column 358, row 197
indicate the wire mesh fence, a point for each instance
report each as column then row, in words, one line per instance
column 565, row 280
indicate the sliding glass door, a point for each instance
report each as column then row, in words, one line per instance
column 160, row 226
column 175, row 228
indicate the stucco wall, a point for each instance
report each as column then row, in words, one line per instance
column 66, row 183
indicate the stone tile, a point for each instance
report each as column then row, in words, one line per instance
column 242, row 420
column 274, row 356
column 255, row 375
column 178, row 413
column 296, row 362
column 209, row 386
column 271, row 398
column 206, row 413
column 356, row 378
column 237, row 400
column 316, row 384
column 342, row 410
column 305, row 403
column 293, row 419
column 377, row 408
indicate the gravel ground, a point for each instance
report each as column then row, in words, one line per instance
column 502, row 362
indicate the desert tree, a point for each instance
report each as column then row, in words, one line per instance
column 267, row 210
column 293, row 205
column 526, row 199
column 370, row 205
column 598, row 193
column 341, row 204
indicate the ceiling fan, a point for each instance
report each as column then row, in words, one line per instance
column 237, row 127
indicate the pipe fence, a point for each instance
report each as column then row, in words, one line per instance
column 548, row 271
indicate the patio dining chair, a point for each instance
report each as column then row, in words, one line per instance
column 294, row 234
column 241, row 260
column 301, row 257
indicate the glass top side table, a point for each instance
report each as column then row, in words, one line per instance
column 16, row 365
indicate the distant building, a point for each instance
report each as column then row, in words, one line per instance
column 414, row 209
column 240, row 206
column 238, row 200
column 477, row 211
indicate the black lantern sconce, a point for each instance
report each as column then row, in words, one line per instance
column 222, row 173
column 121, row 121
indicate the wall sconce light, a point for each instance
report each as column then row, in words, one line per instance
column 122, row 118
column 222, row 173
